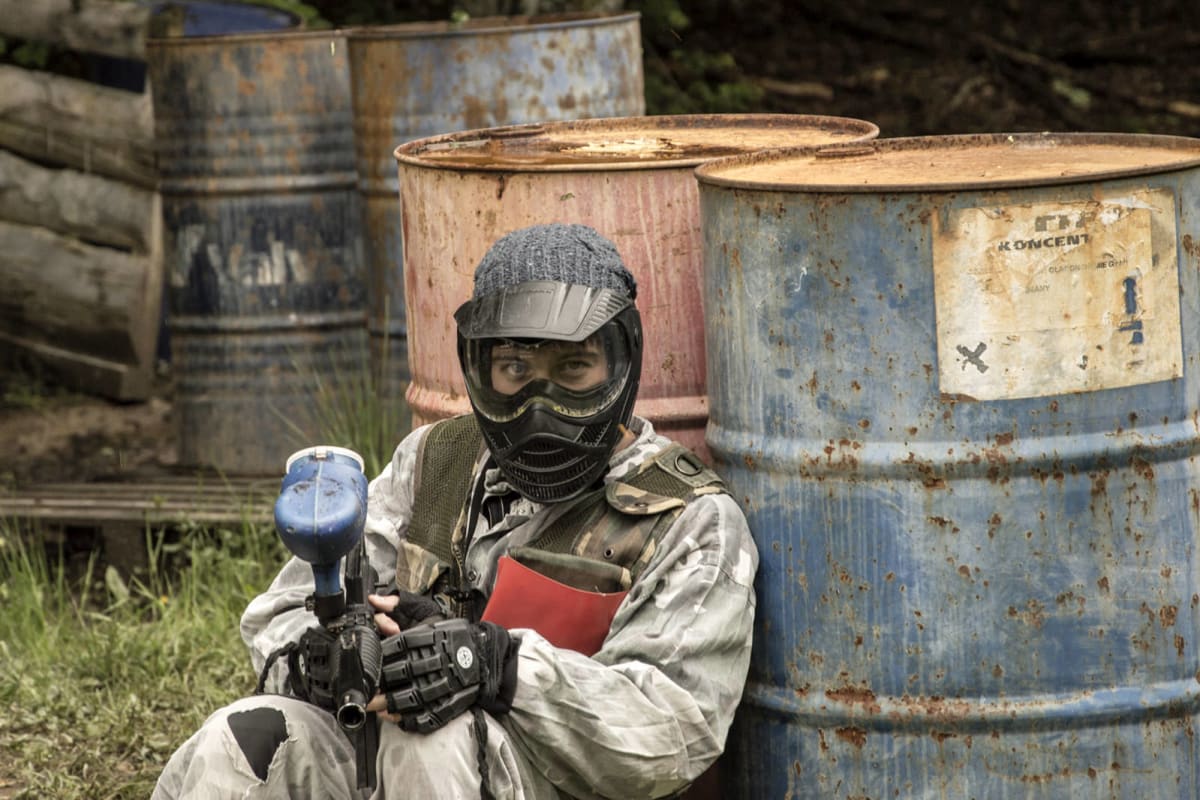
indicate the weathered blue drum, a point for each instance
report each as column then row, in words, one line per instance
column 954, row 381
column 263, row 243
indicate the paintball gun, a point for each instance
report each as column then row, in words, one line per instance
column 320, row 514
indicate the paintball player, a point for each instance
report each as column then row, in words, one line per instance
column 565, row 597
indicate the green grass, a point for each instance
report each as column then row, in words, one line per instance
column 100, row 680
column 351, row 407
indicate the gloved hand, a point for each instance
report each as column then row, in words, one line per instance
column 433, row 673
column 406, row 609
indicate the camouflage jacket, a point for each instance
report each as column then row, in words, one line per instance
column 599, row 541
column 647, row 713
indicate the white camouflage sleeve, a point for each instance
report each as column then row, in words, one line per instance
column 650, row 711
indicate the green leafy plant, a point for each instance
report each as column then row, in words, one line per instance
column 683, row 75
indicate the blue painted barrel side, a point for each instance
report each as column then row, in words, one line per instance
column 219, row 18
column 262, row 239
column 956, row 598
column 489, row 71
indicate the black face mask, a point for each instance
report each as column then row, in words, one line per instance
column 552, row 372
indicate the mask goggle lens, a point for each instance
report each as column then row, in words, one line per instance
column 574, row 379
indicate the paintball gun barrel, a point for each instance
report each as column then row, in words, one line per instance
column 320, row 515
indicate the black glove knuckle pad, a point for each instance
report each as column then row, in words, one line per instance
column 433, row 673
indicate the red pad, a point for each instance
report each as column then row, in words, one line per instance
column 565, row 616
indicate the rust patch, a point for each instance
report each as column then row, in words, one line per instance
column 994, row 525
column 929, row 477
column 1142, row 467
column 941, row 736
column 855, row 697
column 937, row 708
column 1046, row 777
column 854, row 735
column 1034, row 614
column 1003, row 439
column 1167, row 615
column 1102, row 584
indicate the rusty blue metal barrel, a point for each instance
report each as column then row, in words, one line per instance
column 421, row 79
column 954, row 380
column 263, row 244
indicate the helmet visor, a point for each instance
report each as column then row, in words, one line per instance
column 573, row 379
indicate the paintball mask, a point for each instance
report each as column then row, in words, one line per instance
column 552, row 371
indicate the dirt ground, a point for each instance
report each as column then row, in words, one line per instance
column 54, row 435
column 913, row 68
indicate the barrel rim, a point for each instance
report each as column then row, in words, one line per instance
column 709, row 172
column 278, row 36
column 408, row 153
column 481, row 26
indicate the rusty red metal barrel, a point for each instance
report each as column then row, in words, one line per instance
column 631, row 179
column 421, row 79
column 262, row 238
column 956, row 383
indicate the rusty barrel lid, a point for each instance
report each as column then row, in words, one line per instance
column 173, row 41
column 620, row 143
column 483, row 26
column 959, row 162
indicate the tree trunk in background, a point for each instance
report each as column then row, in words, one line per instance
column 93, row 26
column 80, row 214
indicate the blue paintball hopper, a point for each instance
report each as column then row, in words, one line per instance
column 321, row 510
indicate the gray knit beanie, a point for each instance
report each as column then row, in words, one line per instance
column 556, row 252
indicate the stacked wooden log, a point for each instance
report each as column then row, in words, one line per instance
column 80, row 219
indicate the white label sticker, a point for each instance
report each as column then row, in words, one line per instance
column 1049, row 298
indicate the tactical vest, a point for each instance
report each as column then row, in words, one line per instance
column 602, row 540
